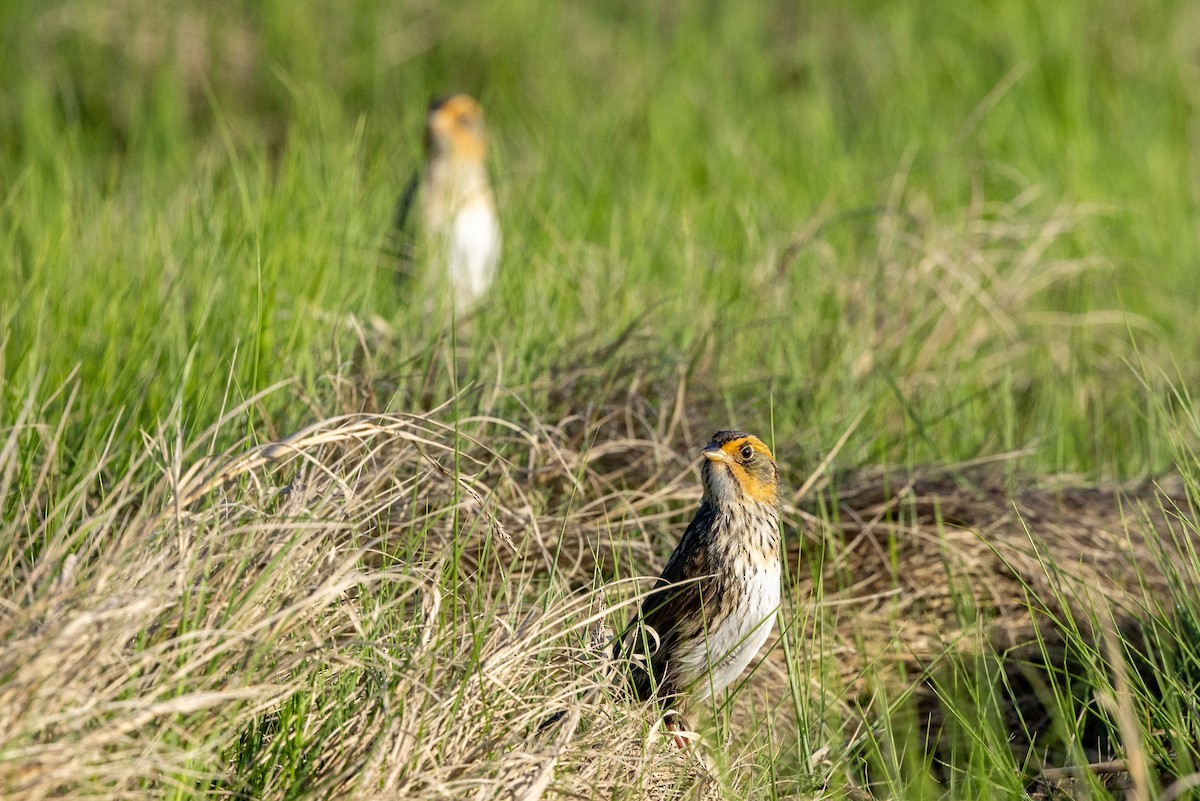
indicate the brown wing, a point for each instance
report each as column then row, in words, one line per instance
column 675, row 610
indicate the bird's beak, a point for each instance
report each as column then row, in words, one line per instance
column 714, row 453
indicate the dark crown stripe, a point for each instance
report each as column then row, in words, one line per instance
column 725, row 437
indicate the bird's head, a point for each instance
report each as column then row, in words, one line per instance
column 455, row 128
column 738, row 468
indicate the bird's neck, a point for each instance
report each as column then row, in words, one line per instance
column 463, row 175
column 759, row 520
column 766, row 529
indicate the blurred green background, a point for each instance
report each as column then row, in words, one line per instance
column 976, row 223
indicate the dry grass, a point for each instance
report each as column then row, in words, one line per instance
column 924, row 559
column 422, row 592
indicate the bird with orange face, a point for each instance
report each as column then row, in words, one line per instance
column 459, row 231
column 715, row 602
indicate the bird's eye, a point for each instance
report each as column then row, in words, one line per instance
column 747, row 452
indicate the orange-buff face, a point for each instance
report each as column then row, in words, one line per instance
column 739, row 467
column 455, row 128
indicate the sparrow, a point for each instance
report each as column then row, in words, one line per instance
column 715, row 603
column 459, row 229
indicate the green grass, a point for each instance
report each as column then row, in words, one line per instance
column 972, row 225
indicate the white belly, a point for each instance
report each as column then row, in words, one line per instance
column 473, row 250
column 711, row 665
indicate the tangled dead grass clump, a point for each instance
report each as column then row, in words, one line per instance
column 402, row 599
column 930, row 554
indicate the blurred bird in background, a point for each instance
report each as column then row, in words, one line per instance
column 457, row 236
